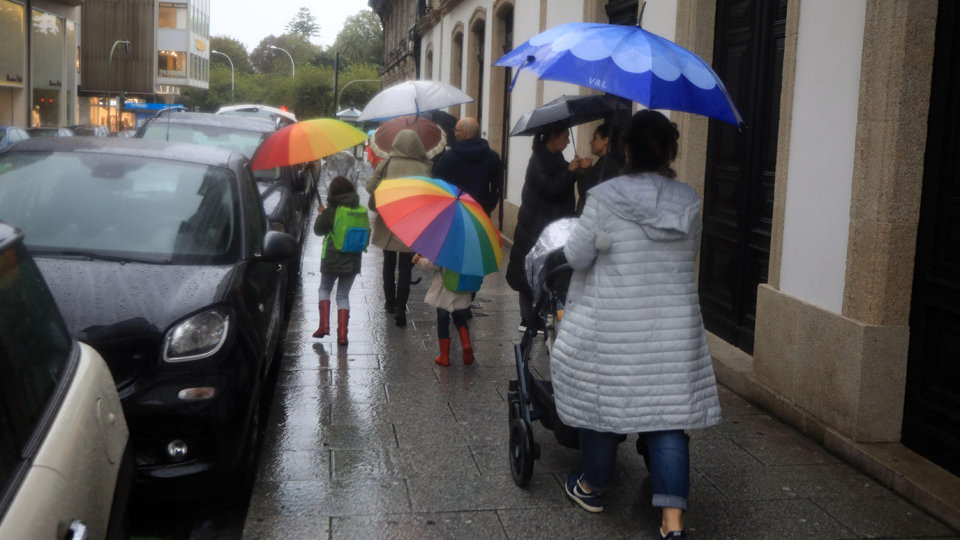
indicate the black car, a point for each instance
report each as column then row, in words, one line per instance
column 159, row 256
column 286, row 191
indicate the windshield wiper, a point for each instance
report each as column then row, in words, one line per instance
column 93, row 256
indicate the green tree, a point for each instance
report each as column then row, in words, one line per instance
column 360, row 40
column 267, row 60
column 303, row 24
column 232, row 48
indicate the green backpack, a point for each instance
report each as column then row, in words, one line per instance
column 351, row 229
column 455, row 282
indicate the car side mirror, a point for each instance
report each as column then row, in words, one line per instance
column 278, row 246
column 300, row 180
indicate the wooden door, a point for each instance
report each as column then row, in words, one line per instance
column 738, row 191
column 931, row 417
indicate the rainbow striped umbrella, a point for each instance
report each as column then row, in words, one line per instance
column 441, row 222
column 305, row 141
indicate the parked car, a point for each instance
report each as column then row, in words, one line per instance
column 49, row 132
column 286, row 191
column 280, row 117
column 89, row 130
column 159, row 256
column 65, row 465
column 11, row 135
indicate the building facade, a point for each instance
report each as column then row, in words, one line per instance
column 401, row 44
column 142, row 49
column 830, row 261
column 38, row 62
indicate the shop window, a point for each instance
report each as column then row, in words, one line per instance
column 172, row 15
column 172, row 63
column 46, row 65
column 11, row 53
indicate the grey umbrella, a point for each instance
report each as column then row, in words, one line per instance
column 569, row 111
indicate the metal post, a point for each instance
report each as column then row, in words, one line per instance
column 232, row 98
column 126, row 47
column 292, row 68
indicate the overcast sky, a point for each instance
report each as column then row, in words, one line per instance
column 252, row 20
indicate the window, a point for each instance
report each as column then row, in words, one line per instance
column 172, row 15
column 34, row 352
column 11, row 53
column 172, row 63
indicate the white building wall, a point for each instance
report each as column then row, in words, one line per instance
column 822, row 143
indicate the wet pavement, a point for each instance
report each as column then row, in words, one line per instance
column 373, row 440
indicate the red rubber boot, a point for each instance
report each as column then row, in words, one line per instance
column 444, row 358
column 467, row 348
column 324, row 328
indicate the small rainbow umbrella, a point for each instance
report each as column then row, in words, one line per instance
column 441, row 222
column 305, row 141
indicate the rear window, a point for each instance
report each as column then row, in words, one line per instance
column 34, row 352
column 74, row 204
column 239, row 141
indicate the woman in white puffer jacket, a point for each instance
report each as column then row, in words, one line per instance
column 631, row 352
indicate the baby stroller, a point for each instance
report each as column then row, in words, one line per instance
column 531, row 399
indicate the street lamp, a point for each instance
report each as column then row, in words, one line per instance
column 340, row 93
column 126, row 47
column 231, row 72
column 292, row 69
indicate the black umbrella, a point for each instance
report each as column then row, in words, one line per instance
column 445, row 120
column 569, row 111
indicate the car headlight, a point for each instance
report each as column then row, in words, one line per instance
column 197, row 337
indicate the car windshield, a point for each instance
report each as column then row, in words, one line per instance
column 235, row 140
column 3, row 136
column 43, row 133
column 121, row 207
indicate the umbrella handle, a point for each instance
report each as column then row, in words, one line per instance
column 526, row 62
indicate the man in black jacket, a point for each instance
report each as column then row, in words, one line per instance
column 472, row 166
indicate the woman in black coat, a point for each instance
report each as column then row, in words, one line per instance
column 548, row 195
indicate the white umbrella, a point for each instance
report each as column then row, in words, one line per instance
column 412, row 97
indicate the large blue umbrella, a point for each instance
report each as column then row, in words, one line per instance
column 629, row 62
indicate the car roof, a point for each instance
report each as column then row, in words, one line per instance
column 123, row 146
column 253, row 107
column 247, row 123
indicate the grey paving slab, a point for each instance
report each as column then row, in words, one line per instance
column 329, row 498
column 416, row 526
column 885, row 516
column 374, row 440
column 286, row 527
column 474, row 492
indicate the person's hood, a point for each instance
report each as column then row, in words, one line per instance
column 471, row 150
column 665, row 209
column 407, row 144
column 347, row 198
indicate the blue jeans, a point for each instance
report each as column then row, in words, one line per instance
column 669, row 453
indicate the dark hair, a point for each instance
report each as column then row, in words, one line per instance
column 651, row 143
column 608, row 130
column 547, row 131
column 338, row 186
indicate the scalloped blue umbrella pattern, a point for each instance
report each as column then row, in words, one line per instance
column 629, row 62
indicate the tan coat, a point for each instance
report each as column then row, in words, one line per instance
column 407, row 158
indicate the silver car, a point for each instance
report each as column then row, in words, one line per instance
column 65, row 471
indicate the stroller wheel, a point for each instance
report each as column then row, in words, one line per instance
column 521, row 452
